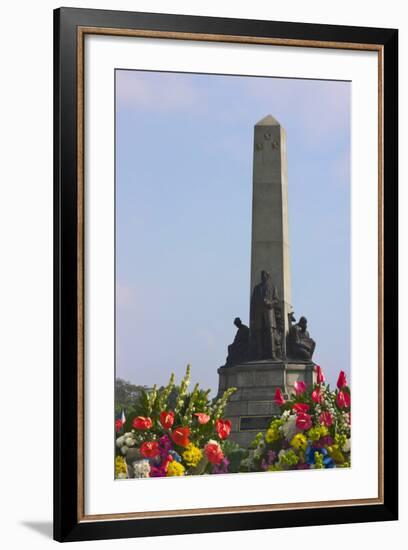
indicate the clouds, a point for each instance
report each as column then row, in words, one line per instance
column 156, row 92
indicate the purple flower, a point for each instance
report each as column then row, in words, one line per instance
column 157, row 471
column 271, row 456
column 165, row 445
column 221, row 468
column 323, row 441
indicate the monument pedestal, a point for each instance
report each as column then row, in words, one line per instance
column 251, row 408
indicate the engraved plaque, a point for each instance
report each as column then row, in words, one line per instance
column 254, row 422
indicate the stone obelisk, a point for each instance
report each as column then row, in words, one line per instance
column 270, row 225
column 257, row 376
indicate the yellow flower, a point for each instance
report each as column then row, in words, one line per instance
column 192, row 455
column 275, row 468
column 336, row 454
column 120, row 466
column 299, row 441
column 273, row 433
column 175, row 469
column 317, row 432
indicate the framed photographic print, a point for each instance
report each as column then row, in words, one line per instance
column 225, row 274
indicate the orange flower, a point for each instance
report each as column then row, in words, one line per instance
column 180, row 436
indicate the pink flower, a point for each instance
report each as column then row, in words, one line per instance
column 342, row 380
column 319, row 376
column 317, row 396
column 300, row 387
column 304, row 421
column 343, row 400
column 300, row 408
column 279, row 399
column 326, row 418
column 223, row 428
column 202, row 418
column 213, row 452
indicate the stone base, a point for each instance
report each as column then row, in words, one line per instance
column 251, row 408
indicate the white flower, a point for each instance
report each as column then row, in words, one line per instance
column 124, row 449
column 141, row 468
column 130, row 442
column 121, row 476
column 347, row 446
column 120, row 441
column 289, row 428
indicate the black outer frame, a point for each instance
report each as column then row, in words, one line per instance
column 66, row 525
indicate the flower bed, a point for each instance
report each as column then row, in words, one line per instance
column 313, row 430
column 186, row 437
column 176, row 433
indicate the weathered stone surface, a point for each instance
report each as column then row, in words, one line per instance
column 270, row 224
column 255, row 396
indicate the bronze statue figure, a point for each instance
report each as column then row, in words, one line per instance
column 238, row 350
column 266, row 320
column 299, row 344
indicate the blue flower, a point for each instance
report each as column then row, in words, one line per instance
column 310, row 456
column 175, row 455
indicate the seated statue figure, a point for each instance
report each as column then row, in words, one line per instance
column 299, row 343
column 238, row 350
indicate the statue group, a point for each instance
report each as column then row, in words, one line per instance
column 267, row 339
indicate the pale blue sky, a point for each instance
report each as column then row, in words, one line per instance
column 184, row 147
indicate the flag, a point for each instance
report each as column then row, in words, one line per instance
column 123, row 417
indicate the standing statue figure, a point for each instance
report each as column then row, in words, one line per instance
column 299, row 343
column 238, row 350
column 266, row 318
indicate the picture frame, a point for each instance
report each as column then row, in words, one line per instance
column 71, row 27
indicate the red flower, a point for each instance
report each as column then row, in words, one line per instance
column 342, row 380
column 150, row 449
column 279, row 399
column 223, row 428
column 343, row 400
column 317, row 396
column 118, row 424
column 300, row 387
column 304, row 421
column 142, row 423
column 202, row 418
column 300, row 408
column 180, row 436
column 319, row 376
column 326, row 418
column 214, row 453
column 167, row 419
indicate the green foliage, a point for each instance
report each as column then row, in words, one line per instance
column 219, row 404
column 235, row 455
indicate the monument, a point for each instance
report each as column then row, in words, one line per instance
column 278, row 351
